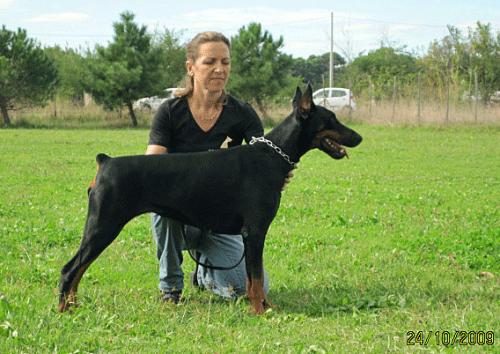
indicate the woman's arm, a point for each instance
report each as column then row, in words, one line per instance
column 156, row 150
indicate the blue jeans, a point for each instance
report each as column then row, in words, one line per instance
column 220, row 250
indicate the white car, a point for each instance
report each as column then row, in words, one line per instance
column 152, row 103
column 334, row 98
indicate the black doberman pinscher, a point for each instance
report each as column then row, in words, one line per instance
column 230, row 191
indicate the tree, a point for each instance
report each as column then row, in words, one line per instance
column 27, row 75
column 485, row 53
column 129, row 68
column 259, row 69
column 315, row 68
column 72, row 71
column 456, row 58
column 172, row 57
column 447, row 63
column 380, row 66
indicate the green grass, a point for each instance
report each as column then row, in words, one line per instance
column 362, row 251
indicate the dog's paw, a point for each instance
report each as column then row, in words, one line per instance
column 267, row 304
column 259, row 307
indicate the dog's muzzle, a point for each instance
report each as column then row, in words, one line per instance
column 332, row 148
column 327, row 141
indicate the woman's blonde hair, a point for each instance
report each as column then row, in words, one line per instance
column 186, row 85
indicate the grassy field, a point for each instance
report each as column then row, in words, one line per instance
column 404, row 236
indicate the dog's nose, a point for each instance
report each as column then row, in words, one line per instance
column 354, row 140
column 358, row 139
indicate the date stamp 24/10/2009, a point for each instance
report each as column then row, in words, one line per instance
column 449, row 338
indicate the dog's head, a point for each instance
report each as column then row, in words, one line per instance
column 321, row 129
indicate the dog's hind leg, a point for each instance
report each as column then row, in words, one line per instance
column 100, row 231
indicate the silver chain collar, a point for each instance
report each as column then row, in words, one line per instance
column 261, row 139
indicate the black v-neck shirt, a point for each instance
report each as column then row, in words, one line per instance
column 175, row 128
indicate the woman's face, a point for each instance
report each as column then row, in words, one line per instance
column 212, row 67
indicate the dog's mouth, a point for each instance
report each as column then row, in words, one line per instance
column 332, row 148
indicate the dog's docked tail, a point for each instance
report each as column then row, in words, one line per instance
column 100, row 159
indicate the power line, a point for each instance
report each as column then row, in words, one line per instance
column 368, row 19
column 308, row 21
column 72, row 35
column 274, row 24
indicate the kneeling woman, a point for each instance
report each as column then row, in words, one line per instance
column 200, row 118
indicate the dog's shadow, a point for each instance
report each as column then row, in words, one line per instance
column 318, row 302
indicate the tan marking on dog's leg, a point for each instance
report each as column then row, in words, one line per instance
column 256, row 295
column 70, row 298
column 62, row 305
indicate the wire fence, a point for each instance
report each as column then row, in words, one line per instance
column 392, row 101
column 397, row 101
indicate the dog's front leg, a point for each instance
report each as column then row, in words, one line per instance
column 254, row 247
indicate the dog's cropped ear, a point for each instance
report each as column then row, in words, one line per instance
column 309, row 90
column 306, row 103
column 296, row 98
column 303, row 103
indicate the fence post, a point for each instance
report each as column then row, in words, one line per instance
column 393, row 100
column 476, row 95
column 370, row 93
column 447, row 98
column 55, row 107
column 470, row 88
column 350, row 94
column 418, row 98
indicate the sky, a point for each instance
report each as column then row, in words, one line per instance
column 359, row 25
